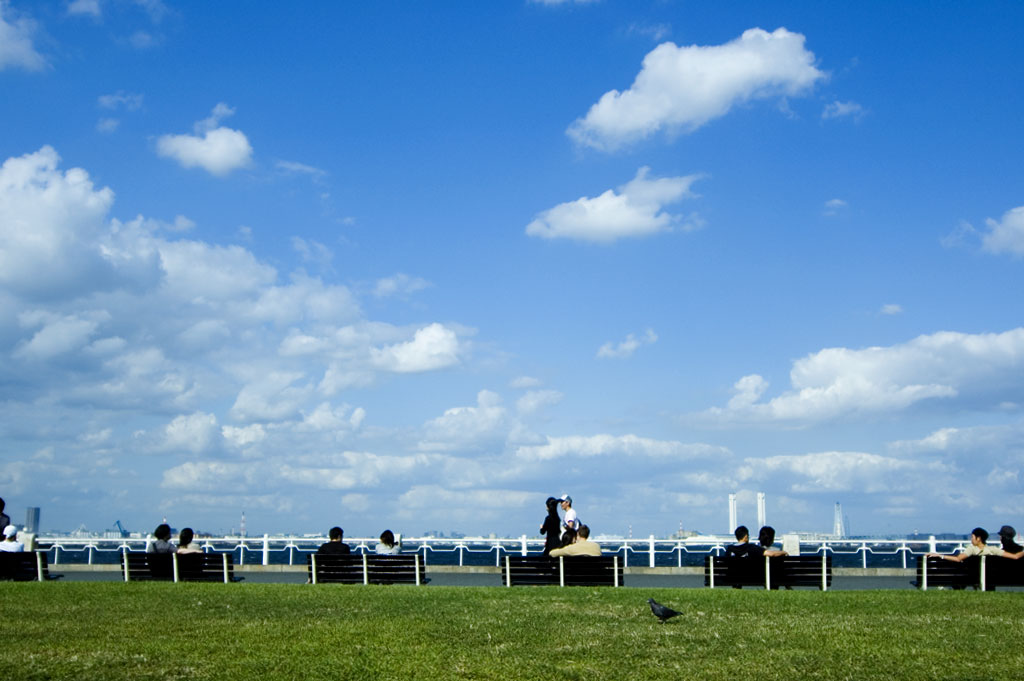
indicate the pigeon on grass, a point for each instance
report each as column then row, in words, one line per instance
column 660, row 611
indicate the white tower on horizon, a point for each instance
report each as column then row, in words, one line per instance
column 762, row 518
column 837, row 525
column 732, row 513
column 242, row 530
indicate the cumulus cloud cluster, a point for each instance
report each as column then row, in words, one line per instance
column 217, row 149
column 635, row 209
column 979, row 370
column 679, row 89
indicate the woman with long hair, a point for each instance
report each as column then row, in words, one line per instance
column 387, row 545
column 552, row 527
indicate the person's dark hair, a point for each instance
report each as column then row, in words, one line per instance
column 1006, row 536
column 981, row 533
column 569, row 537
column 336, row 533
column 2, row 504
column 162, row 531
column 766, row 537
column 185, row 537
column 583, row 532
column 742, row 532
column 387, row 538
column 552, row 504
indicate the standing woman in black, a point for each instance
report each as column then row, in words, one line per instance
column 552, row 527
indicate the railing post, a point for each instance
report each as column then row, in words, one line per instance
column 56, row 554
column 652, row 550
column 416, row 560
column 523, row 539
column 931, row 544
column 679, row 551
column 266, row 549
column 711, row 570
column 903, row 553
column 615, row 567
column 983, row 573
column 461, row 547
column 174, row 563
column 824, row 570
column 767, row 574
column 39, row 566
column 291, row 554
column 241, row 553
column 312, row 565
column 864, row 556
column 91, row 546
column 366, row 571
column 508, row 571
column 561, row 571
column 924, row 573
column 224, row 556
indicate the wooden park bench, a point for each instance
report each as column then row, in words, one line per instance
column 366, row 568
column 770, row 573
column 173, row 567
column 563, row 571
column 976, row 572
column 25, row 566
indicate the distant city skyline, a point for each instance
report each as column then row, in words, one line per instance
column 425, row 264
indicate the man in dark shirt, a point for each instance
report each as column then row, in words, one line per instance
column 743, row 548
column 334, row 547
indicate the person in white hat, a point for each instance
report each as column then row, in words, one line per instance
column 10, row 544
column 570, row 521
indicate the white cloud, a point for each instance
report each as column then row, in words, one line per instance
column 195, row 433
column 399, row 285
column 271, row 397
column 121, row 100
column 636, row 209
column 833, row 206
column 59, row 335
column 843, row 471
column 535, row 400
column 977, row 369
column 218, row 150
column 627, row 347
column 1006, row 235
column 107, row 125
column 143, row 40
column 842, row 110
column 682, row 88
column 891, row 309
column 462, row 428
column 615, row 445
column 432, row 347
column 296, row 168
column 524, row 382
column 16, row 48
column 312, row 251
column 244, row 436
column 85, row 7
column 53, row 222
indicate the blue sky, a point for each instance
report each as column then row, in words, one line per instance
column 421, row 265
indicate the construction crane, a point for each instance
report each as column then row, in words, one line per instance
column 120, row 528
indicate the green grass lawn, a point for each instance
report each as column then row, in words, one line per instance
column 280, row 631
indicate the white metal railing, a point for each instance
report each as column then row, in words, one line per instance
column 647, row 551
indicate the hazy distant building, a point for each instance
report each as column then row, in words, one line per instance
column 32, row 520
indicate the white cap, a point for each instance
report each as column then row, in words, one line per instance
column 10, row 531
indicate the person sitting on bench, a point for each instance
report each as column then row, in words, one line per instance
column 185, row 543
column 1011, row 549
column 163, row 544
column 334, row 547
column 743, row 548
column 581, row 547
column 387, row 545
column 10, row 544
column 766, row 537
column 978, row 547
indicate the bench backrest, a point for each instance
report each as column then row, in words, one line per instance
column 24, row 566
column 173, row 567
column 564, row 571
column 366, row 568
column 811, row 571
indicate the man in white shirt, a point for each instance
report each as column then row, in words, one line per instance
column 570, row 520
column 11, row 543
